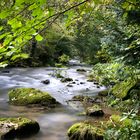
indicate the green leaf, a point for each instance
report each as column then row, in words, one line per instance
column 22, row 55
column 4, row 14
column 34, row 6
column 15, row 23
column 3, row 64
column 39, row 38
column 8, row 40
column 1, row 27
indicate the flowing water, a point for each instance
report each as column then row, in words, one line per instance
column 55, row 122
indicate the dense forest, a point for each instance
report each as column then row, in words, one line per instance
column 105, row 34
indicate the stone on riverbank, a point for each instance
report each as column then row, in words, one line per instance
column 95, row 110
column 17, row 127
column 85, row 131
column 29, row 96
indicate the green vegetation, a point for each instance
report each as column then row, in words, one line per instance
column 103, row 33
column 28, row 96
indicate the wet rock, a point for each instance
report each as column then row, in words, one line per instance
column 69, row 85
column 73, row 83
column 96, row 83
column 76, row 80
column 95, row 111
column 81, row 70
column 47, row 81
column 98, row 86
column 5, row 71
column 85, row 131
column 11, row 128
column 90, row 80
column 87, row 89
column 31, row 96
column 66, row 79
column 82, row 83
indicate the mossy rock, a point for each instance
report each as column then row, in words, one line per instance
column 95, row 111
column 103, row 93
column 66, row 80
column 85, row 131
column 29, row 96
column 17, row 127
column 122, row 89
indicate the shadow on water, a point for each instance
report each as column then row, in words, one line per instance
column 55, row 122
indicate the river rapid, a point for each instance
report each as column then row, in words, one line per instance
column 55, row 122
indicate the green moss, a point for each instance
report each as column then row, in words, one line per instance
column 26, row 96
column 16, row 121
column 85, row 131
column 121, row 89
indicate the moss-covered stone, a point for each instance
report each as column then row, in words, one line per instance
column 95, row 110
column 85, row 131
column 17, row 127
column 121, row 90
column 28, row 96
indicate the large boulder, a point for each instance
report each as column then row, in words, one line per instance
column 29, row 96
column 85, row 131
column 17, row 127
column 95, row 110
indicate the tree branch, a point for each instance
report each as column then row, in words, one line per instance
column 22, row 10
column 54, row 15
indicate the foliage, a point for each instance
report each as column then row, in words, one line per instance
column 123, row 127
column 64, row 59
column 110, row 73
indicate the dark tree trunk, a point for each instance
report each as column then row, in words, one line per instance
column 33, row 47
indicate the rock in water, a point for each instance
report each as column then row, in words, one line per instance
column 29, row 96
column 81, row 70
column 95, row 111
column 66, row 79
column 17, row 127
column 47, row 81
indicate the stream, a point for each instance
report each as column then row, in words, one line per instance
column 55, row 122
